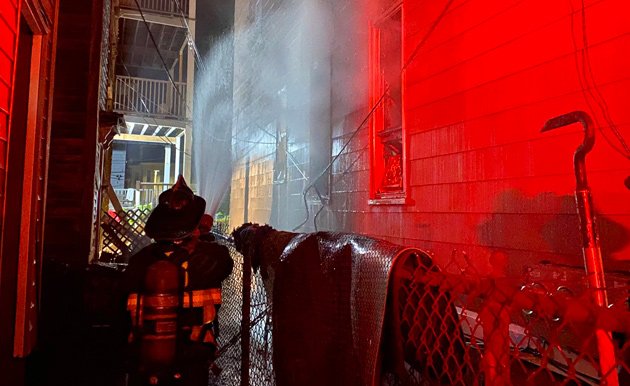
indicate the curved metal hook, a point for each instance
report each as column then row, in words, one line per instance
column 579, row 156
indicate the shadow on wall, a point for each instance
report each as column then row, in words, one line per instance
column 531, row 229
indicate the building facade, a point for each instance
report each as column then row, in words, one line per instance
column 57, row 124
column 153, row 89
column 429, row 116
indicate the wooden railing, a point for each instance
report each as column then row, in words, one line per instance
column 144, row 197
column 150, row 97
column 170, row 7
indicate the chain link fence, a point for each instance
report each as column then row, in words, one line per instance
column 245, row 349
column 452, row 327
column 510, row 331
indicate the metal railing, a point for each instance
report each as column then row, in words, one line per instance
column 150, row 97
column 169, row 7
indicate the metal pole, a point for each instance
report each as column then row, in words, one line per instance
column 245, row 321
column 246, row 192
column 591, row 250
column 247, row 291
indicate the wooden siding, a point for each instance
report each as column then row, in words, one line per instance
column 9, row 33
column 42, row 18
column 22, row 218
column 9, row 18
column 483, row 178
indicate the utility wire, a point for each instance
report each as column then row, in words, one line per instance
column 155, row 122
column 589, row 69
column 320, row 175
column 199, row 61
column 589, row 87
column 412, row 57
column 187, row 106
column 377, row 104
column 434, row 25
column 191, row 38
column 143, row 97
column 162, row 60
column 157, row 48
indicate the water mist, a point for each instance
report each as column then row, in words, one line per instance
column 269, row 104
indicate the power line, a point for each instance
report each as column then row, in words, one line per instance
column 198, row 59
column 192, row 43
column 190, row 37
column 589, row 87
column 602, row 101
column 162, row 138
column 144, row 99
column 412, row 57
column 320, row 175
column 165, row 66
column 434, row 25
column 157, row 48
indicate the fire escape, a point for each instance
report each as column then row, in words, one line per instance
column 153, row 88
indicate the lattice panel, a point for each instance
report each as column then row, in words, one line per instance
column 123, row 235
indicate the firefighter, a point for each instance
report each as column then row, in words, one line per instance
column 205, row 228
column 174, row 289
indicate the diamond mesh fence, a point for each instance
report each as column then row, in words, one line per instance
column 245, row 350
column 450, row 325
column 510, row 330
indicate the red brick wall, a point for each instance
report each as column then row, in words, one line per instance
column 482, row 178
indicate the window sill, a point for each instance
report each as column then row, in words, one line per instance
column 389, row 200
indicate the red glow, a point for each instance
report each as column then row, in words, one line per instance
column 481, row 176
column 387, row 162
